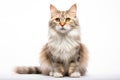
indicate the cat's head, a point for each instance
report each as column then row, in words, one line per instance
column 63, row 21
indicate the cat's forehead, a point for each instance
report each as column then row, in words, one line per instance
column 62, row 13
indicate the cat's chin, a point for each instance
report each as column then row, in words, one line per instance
column 63, row 31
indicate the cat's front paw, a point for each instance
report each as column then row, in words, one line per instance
column 57, row 74
column 75, row 75
column 51, row 73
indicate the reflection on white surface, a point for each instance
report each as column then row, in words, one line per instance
column 43, row 77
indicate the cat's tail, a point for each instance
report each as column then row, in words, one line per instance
column 28, row 70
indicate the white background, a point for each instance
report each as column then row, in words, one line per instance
column 24, row 30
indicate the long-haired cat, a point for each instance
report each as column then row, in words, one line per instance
column 64, row 54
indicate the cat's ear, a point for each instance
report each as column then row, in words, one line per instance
column 73, row 10
column 53, row 10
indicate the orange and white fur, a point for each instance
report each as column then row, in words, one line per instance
column 64, row 54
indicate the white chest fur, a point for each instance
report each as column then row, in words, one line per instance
column 63, row 47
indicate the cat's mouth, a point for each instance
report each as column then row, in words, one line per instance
column 62, row 28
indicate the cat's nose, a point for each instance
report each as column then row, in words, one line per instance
column 62, row 23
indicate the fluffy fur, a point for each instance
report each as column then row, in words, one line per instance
column 64, row 54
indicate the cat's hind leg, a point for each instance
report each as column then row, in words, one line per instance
column 83, row 59
column 45, row 61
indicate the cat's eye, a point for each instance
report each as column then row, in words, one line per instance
column 57, row 19
column 68, row 19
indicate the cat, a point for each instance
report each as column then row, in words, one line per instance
column 64, row 54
